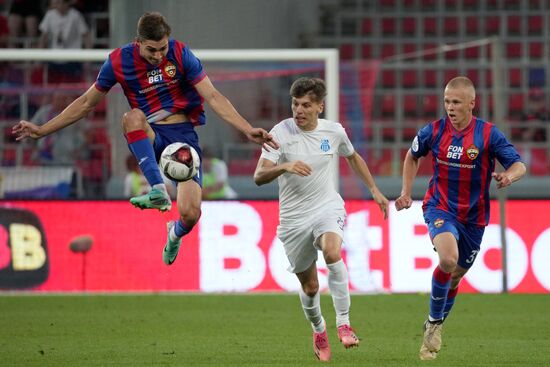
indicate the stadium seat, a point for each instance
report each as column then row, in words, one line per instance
column 388, row 106
column 488, row 78
column 452, row 55
column 428, row 4
column 450, row 74
column 388, row 49
column 410, row 105
column 514, row 25
column 409, row 78
column 388, row 79
column 536, row 50
column 430, row 104
column 539, row 164
column 430, row 46
column 473, row 74
column 470, row 4
column 451, row 26
column 366, row 26
column 430, row 26
column 515, row 77
column 430, row 78
column 408, row 26
column 472, row 25
column 408, row 48
column 472, row 52
column 535, row 25
column 513, row 50
column 366, row 51
column 492, row 25
column 347, row 51
column 388, row 26
column 515, row 105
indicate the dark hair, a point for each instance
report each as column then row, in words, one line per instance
column 152, row 26
column 315, row 87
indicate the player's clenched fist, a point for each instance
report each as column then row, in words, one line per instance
column 403, row 202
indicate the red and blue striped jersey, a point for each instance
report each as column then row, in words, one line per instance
column 463, row 162
column 157, row 90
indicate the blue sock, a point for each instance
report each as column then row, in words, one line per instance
column 441, row 282
column 141, row 147
column 181, row 229
column 450, row 302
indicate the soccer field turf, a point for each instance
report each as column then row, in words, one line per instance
column 259, row 330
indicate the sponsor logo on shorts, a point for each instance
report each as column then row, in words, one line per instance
column 438, row 222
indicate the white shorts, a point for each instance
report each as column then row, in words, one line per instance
column 301, row 243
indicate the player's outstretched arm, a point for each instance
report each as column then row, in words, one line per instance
column 266, row 170
column 79, row 108
column 515, row 172
column 410, row 168
column 359, row 166
column 223, row 108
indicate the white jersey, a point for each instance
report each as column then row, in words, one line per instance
column 303, row 197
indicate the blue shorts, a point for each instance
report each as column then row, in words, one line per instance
column 182, row 132
column 468, row 236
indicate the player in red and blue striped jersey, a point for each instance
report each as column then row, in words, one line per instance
column 166, row 86
column 456, row 206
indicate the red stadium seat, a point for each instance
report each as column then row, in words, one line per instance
column 366, row 51
column 515, row 77
column 409, row 79
column 366, row 26
column 452, row 55
column 388, row 49
column 450, row 74
column 472, row 52
column 409, row 48
column 430, row 25
column 473, row 74
column 410, row 105
column 539, row 164
column 513, row 50
column 451, row 26
column 347, row 51
column 535, row 25
column 429, row 46
column 472, row 25
column 488, row 78
column 430, row 105
column 536, row 50
column 408, row 26
column 428, row 4
column 388, row 79
column 514, row 24
column 388, row 105
column 492, row 25
column 430, row 78
column 388, row 26
column 515, row 105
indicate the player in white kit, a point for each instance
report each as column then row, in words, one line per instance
column 311, row 211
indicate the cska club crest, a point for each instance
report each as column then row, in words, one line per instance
column 439, row 222
column 170, row 69
column 472, row 152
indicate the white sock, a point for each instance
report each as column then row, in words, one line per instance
column 312, row 310
column 339, row 290
column 161, row 187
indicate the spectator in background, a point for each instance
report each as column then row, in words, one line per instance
column 214, row 178
column 23, row 18
column 64, row 27
column 536, row 114
column 60, row 149
column 4, row 31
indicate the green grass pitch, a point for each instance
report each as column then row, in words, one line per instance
column 264, row 330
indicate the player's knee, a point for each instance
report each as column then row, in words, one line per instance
column 311, row 288
column 448, row 264
column 190, row 217
column 133, row 120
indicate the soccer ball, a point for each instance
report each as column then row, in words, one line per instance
column 179, row 162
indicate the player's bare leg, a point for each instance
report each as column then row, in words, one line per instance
column 189, row 204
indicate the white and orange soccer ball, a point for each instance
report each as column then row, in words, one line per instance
column 179, row 162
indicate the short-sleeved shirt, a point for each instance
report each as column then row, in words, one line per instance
column 64, row 30
column 157, row 90
column 463, row 162
column 300, row 197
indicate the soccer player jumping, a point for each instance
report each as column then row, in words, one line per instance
column 456, row 205
column 311, row 211
column 165, row 86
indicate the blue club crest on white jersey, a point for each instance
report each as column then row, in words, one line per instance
column 325, row 146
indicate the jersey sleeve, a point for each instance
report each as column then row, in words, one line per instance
column 345, row 148
column 106, row 77
column 194, row 72
column 273, row 155
column 422, row 142
column 502, row 149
